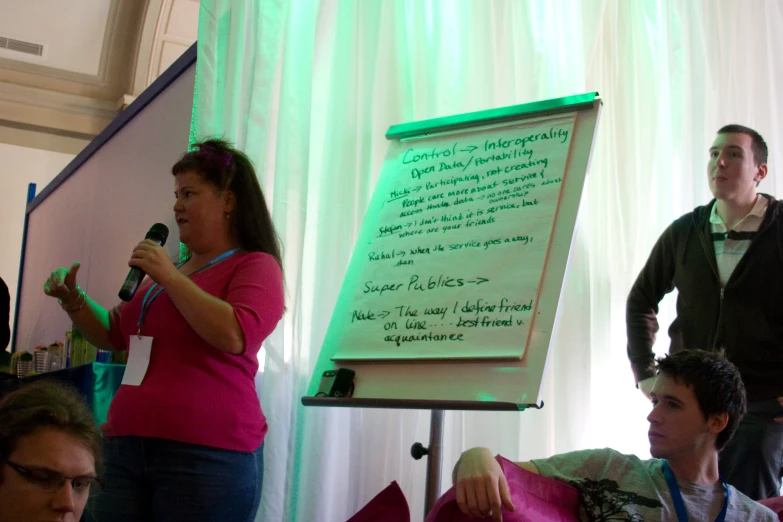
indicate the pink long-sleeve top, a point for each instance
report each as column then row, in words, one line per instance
column 193, row 392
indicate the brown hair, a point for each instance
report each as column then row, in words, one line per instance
column 715, row 382
column 759, row 146
column 226, row 168
column 47, row 404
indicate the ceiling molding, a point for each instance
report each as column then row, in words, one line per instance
column 118, row 58
column 157, row 33
column 64, row 102
column 123, row 29
column 56, row 111
column 25, row 68
column 160, row 33
column 146, row 43
column 109, row 38
column 80, row 105
column 179, row 40
column 41, row 99
column 33, row 137
column 52, row 119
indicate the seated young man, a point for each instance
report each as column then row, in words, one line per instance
column 698, row 400
column 50, row 448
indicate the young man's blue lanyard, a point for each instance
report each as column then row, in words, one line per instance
column 148, row 300
column 679, row 505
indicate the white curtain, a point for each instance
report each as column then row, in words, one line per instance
column 308, row 89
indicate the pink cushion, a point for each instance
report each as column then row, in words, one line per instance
column 535, row 498
column 775, row 504
column 388, row 506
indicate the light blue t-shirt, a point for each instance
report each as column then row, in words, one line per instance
column 613, row 486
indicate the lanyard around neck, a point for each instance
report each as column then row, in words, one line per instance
column 145, row 304
column 679, row 504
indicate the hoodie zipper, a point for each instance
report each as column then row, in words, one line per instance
column 707, row 252
column 720, row 317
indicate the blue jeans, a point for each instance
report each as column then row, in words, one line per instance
column 158, row 480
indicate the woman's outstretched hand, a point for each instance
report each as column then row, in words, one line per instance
column 62, row 282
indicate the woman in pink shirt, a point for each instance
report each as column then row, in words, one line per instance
column 186, row 442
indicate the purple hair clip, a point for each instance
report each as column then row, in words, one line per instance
column 209, row 154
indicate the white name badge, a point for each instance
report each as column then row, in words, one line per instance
column 138, row 360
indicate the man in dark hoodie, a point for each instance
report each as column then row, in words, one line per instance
column 726, row 261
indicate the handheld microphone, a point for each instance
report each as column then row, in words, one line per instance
column 158, row 233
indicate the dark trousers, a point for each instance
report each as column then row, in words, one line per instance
column 752, row 461
column 157, row 480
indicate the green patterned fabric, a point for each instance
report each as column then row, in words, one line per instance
column 106, row 382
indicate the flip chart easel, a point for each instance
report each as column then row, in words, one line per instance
column 452, row 290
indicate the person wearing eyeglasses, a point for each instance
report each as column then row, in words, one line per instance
column 185, row 431
column 50, row 453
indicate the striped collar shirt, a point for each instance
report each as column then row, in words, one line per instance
column 729, row 251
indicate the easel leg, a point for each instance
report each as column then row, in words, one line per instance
column 434, row 454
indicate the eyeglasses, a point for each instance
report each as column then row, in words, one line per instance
column 51, row 481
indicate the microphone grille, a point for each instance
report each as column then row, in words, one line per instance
column 158, row 232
